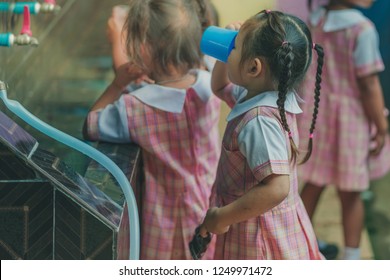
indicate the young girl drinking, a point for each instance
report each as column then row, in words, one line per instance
column 174, row 120
column 352, row 131
column 260, row 214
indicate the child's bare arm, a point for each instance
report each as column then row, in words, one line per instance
column 255, row 202
column 220, row 78
column 116, row 35
column 373, row 104
column 125, row 74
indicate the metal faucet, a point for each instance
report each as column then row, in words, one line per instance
column 24, row 38
column 48, row 6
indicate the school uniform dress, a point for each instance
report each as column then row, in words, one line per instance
column 342, row 136
column 254, row 147
column 177, row 131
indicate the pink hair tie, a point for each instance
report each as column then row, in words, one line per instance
column 267, row 11
column 289, row 134
column 311, row 135
column 314, row 46
column 285, row 43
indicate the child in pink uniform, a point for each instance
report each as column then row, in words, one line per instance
column 351, row 139
column 174, row 120
column 260, row 214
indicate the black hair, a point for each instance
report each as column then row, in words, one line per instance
column 285, row 43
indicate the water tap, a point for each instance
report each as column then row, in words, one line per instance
column 48, row 6
column 24, row 38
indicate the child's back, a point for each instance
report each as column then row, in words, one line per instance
column 180, row 151
column 174, row 121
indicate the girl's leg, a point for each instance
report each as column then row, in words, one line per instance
column 310, row 195
column 353, row 221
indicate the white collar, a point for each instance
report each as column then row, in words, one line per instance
column 268, row 99
column 172, row 99
column 336, row 19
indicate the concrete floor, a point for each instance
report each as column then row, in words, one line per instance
column 328, row 227
column 375, row 242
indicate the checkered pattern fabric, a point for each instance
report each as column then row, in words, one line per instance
column 342, row 137
column 180, row 156
column 284, row 232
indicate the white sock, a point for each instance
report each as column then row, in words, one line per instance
column 351, row 253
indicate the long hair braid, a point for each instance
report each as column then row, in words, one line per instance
column 317, row 90
column 285, row 42
column 286, row 59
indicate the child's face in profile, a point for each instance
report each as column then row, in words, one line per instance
column 233, row 63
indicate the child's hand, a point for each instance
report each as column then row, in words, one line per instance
column 378, row 142
column 115, row 24
column 128, row 73
column 236, row 25
column 211, row 223
column 378, row 137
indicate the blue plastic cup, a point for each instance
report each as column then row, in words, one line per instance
column 218, row 42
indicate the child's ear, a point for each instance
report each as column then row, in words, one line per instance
column 255, row 67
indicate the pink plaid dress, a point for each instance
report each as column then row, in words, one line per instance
column 180, row 145
column 255, row 146
column 342, row 136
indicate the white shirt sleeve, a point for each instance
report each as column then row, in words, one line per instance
column 367, row 48
column 261, row 141
column 113, row 124
column 238, row 92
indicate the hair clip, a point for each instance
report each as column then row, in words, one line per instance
column 314, row 46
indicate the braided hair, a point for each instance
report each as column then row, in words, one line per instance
column 284, row 42
column 320, row 63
